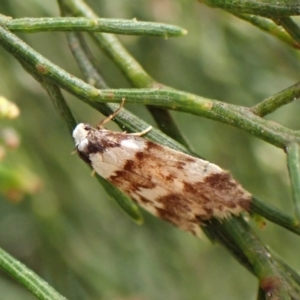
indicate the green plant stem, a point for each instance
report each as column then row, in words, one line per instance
column 111, row 46
column 28, row 278
column 274, row 102
column 239, row 117
column 291, row 27
column 266, row 8
column 287, row 269
column 293, row 162
column 274, row 215
column 271, row 278
column 260, row 294
column 269, row 27
column 60, row 105
column 166, row 124
column 236, row 116
column 86, row 61
column 117, row 26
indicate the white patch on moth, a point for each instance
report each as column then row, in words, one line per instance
column 174, row 186
column 152, row 193
column 133, row 145
column 79, row 134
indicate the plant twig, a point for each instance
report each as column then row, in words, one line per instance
column 269, row 27
column 274, row 215
column 274, row 102
column 290, row 26
column 117, row 26
column 272, row 280
column 270, row 8
column 28, row 278
column 239, row 117
column 293, row 162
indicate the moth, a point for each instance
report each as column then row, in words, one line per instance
column 171, row 185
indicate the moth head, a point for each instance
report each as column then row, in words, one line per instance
column 80, row 133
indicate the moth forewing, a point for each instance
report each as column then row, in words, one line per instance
column 174, row 186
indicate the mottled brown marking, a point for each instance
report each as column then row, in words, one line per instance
column 174, row 203
column 189, row 159
column 245, row 203
column 170, row 177
column 167, row 216
column 180, row 165
column 220, row 181
column 199, row 189
column 131, row 181
column 154, row 146
column 129, row 165
column 145, row 200
column 94, row 148
column 105, row 143
column 191, row 188
column 140, row 155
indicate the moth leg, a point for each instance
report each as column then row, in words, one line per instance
column 108, row 118
column 142, row 132
column 74, row 152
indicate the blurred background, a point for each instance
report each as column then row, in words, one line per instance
column 61, row 223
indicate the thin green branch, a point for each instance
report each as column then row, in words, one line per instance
column 239, row 117
column 86, row 61
column 266, row 8
column 274, row 215
column 117, row 26
column 293, row 162
column 132, row 70
column 271, row 278
column 166, row 124
column 236, row 116
column 223, row 238
column 260, row 294
column 269, row 27
column 28, row 278
column 291, row 27
column 60, row 105
column 288, row 270
column 274, row 102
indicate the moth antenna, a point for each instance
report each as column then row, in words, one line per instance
column 142, row 132
column 108, row 118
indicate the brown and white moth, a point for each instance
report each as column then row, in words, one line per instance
column 169, row 184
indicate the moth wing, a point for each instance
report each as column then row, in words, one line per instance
column 150, row 171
